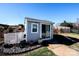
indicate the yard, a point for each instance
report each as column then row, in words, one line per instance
column 73, row 35
column 43, row 51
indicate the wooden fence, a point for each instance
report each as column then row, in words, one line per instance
column 13, row 38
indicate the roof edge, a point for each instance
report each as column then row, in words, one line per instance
column 38, row 20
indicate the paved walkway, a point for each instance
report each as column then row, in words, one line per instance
column 62, row 50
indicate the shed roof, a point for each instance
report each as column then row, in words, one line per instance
column 37, row 20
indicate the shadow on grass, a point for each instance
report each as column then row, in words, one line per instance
column 59, row 39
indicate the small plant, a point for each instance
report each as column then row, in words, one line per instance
column 30, row 43
column 8, row 45
column 22, row 44
column 44, row 43
column 24, row 35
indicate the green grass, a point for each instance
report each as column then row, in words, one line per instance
column 75, row 46
column 74, row 35
column 39, row 52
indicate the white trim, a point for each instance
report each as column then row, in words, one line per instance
column 40, row 30
column 50, row 30
column 26, row 28
column 32, row 27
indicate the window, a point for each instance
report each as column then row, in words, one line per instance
column 34, row 28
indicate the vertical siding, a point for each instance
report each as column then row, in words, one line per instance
column 32, row 36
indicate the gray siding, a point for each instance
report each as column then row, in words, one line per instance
column 32, row 36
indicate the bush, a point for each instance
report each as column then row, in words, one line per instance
column 22, row 44
column 24, row 35
column 31, row 42
column 8, row 45
column 44, row 43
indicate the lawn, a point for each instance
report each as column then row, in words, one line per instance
column 43, row 51
column 75, row 46
column 74, row 35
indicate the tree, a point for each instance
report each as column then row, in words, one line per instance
column 70, row 25
column 64, row 24
column 21, row 25
column 67, row 24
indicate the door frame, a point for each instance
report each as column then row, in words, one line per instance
column 41, row 29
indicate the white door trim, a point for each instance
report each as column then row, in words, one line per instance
column 50, row 30
column 41, row 29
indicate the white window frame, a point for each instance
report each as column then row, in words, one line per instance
column 32, row 27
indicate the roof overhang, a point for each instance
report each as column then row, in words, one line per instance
column 37, row 20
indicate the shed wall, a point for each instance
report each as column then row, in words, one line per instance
column 32, row 36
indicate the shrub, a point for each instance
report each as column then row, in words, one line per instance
column 22, row 44
column 8, row 45
column 44, row 43
column 24, row 35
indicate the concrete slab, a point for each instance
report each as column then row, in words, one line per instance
column 62, row 50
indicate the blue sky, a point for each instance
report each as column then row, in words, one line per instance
column 57, row 13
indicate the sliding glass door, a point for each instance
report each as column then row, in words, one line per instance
column 45, row 31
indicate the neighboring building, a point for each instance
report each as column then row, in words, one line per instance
column 76, row 24
column 62, row 29
column 75, row 28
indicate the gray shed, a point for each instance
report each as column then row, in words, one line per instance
column 36, row 29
